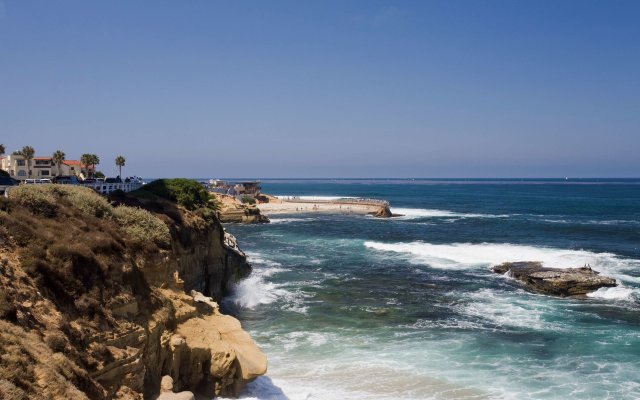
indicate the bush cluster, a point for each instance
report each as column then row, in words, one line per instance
column 142, row 225
column 248, row 200
column 138, row 223
column 186, row 192
column 43, row 199
column 38, row 199
column 88, row 201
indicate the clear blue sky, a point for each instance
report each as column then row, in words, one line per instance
column 327, row 89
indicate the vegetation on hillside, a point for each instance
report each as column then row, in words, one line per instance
column 248, row 200
column 186, row 192
column 47, row 200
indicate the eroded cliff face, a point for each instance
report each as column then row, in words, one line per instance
column 89, row 308
column 233, row 211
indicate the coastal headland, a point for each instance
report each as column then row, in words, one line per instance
column 116, row 297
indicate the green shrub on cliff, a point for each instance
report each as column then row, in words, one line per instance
column 248, row 200
column 86, row 200
column 38, row 199
column 186, row 192
column 142, row 225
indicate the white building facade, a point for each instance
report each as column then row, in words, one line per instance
column 20, row 168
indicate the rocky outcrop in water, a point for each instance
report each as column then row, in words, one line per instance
column 101, row 302
column 555, row 281
column 383, row 212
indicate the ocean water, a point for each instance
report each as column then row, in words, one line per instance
column 353, row 307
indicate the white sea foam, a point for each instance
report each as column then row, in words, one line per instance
column 415, row 213
column 507, row 312
column 256, row 289
column 591, row 222
column 615, row 293
column 259, row 259
column 307, row 339
column 482, row 255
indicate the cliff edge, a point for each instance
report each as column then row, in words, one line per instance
column 101, row 299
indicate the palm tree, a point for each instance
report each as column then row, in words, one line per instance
column 2, row 149
column 85, row 161
column 120, row 163
column 28, row 152
column 95, row 160
column 58, row 158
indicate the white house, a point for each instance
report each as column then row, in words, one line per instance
column 40, row 167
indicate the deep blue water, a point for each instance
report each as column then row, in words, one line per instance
column 355, row 307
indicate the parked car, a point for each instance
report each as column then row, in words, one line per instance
column 66, row 180
column 30, row 181
column 44, row 180
column 5, row 183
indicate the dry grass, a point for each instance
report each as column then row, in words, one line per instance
column 37, row 199
column 139, row 224
column 44, row 199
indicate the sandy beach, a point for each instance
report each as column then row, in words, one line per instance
column 320, row 206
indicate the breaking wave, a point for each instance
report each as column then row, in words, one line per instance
column 471, row 255
column 415, row 213
column 616, row 293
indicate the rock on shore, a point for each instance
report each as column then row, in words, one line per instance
column 555, row 281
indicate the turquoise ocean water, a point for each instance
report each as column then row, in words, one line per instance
column 353, row 307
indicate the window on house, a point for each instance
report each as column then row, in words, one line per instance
column 44, row 173
column 20, row 163
column 22, row 173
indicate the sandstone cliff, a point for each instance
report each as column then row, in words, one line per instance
column 231, row 210
column 101, row 300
